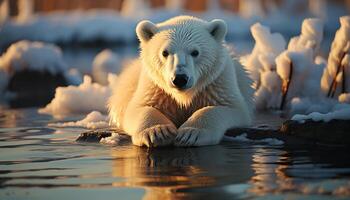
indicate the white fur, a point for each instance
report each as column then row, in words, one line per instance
column 155, row 113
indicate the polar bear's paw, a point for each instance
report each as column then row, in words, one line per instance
column 158, row 135
column 190, row 136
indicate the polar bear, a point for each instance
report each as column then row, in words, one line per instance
column 185, row 89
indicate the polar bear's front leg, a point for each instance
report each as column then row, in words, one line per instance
column 148, row 126
column 208, row 125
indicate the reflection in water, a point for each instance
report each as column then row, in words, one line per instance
column 173, row 173
column 45, row 163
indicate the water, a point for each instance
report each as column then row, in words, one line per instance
column 40, row 162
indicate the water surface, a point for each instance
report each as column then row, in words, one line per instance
column 40, row 162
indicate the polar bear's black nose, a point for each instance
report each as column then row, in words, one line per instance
column 180, row 80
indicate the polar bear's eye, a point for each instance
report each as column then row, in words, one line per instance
column 165, row 53
column 194, row 53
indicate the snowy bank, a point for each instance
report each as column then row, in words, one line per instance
column 68, row 27
column 82, row 99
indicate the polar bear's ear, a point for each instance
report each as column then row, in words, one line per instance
column 218, row 28
column 145, row 30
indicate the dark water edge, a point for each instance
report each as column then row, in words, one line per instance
column 40, row 162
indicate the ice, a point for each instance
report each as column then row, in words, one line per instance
column 243, row 138
column 80, row 99
column 93, row 120
column 105, row 62
column 331, row 82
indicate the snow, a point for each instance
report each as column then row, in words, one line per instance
column 339, row 53
column 80, row 99
column 267, row 45
column 344, row 98
column 37, row 56
column 93, row 120
column 311, row 36
column 71, row 26
column 105, row 62
column 115, row 139
column 243, row 138
column 340, row 114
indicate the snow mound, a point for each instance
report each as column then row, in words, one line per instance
column 37, row 56
column 243, row 138
column 340, row 114
column 104, row 63
column 93, row 120
column 80, row 99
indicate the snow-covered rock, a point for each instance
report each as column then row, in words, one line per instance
column 104, row 63
column 82, row 99
column 35, row 56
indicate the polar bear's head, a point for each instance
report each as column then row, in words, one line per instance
column 182, row 55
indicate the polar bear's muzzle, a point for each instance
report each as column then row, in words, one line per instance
column 180, row 81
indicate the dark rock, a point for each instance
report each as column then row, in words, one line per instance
column 94, row 136
column 333, row 132
column 33, row 88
